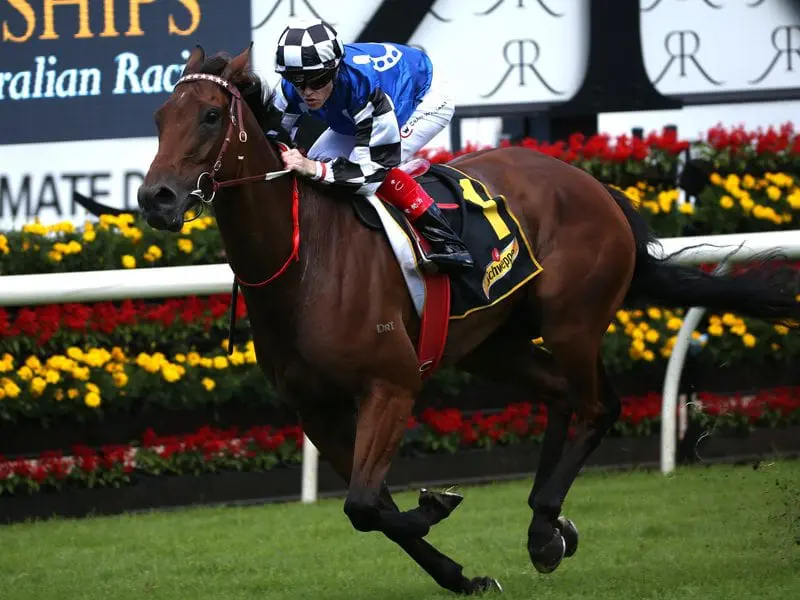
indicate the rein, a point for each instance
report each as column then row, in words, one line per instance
column 237, row 120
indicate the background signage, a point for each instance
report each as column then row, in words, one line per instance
column 98, row 69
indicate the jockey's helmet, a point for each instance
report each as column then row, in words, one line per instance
column 308, row 51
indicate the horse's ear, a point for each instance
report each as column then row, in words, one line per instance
column 237, row 64
column 195, row 61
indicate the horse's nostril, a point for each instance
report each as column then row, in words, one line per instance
column 164, row 195
column 151, row 197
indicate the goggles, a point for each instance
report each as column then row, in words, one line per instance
column 318, row 80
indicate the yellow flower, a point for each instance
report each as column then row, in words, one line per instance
column 686, row 208
column 128, row 261
column 72, row 393
column 81, row 373
column 25, row 373
column 171, row 373
column 610, row 329
column 623, row 317
column 749, row 340
column 238, row 358
column 715, row 330
column 117, row 354
column 747, row 204
column 220, row 362
column 648, row 355
column 55, row 256
column 93, row 388
column 208, row 383
column 37, row 386
column 52, row 376
column 674, row 324
column 654, row 313
column 133, row 233
column 652, row 336
column 716, row 179
column 120, row 379
column 10, row 388
column 36, row 228
column 667, row 198
column 781, row 329
column 185, row 245
column 794, row 199
column 638, row 345
column 89, row 236
column 92, row 399
column 748, row 181
column 732, row 183
column 726, row 202
column 773, row 193
column 153, row 253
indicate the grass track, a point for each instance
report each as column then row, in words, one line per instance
column 720, row 532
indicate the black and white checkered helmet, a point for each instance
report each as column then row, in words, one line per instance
column 308, row 46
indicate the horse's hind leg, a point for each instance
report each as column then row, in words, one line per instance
column 333, row 433
column 531, row 369
column 550, row 535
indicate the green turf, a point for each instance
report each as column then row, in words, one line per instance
column 721, row 532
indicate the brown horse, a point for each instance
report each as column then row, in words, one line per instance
column 317, row 282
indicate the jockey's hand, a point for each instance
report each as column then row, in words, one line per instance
column 295, row 161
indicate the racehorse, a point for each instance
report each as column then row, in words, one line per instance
column 317, row 282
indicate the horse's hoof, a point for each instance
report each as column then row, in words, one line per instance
column 570, row 534
column 547, row 558
column 439, row 505
column 481, row 585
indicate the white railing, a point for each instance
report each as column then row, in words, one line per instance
column 98, row 286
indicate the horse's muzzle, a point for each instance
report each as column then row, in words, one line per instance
column 161, row 206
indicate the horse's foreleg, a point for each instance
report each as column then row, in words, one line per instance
column 334, row 435
column 382, row 419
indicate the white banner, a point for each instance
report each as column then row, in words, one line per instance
column 508, row 51
column 39, row 180
column 707, row 46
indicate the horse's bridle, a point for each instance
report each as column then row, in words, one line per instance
column 236, row 120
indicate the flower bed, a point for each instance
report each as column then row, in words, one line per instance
column 435, row 432
column 82, row 382
column 86, row 381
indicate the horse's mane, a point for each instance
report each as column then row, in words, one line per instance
column 256, row 93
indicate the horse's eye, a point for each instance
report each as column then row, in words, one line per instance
column 212, row 116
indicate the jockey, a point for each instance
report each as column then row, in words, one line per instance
column 381, row 104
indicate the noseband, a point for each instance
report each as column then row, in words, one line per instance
column 236, row 120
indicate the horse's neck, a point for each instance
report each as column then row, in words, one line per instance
column 256, row 225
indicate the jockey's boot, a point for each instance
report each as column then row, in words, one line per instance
column 447, row 251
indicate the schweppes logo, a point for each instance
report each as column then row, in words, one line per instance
column 500, row 265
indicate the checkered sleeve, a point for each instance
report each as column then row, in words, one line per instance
column 376, row 148
column 289, row 119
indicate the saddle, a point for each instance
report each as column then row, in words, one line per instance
column 503, row 256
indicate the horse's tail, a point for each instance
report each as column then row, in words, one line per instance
column 769, row 293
